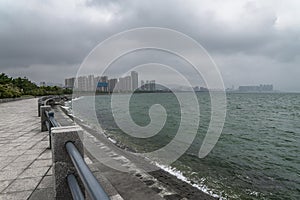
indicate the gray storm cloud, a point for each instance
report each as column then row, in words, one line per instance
column 252, row 42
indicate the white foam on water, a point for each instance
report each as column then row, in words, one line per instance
column 178, row 174
column 77, row 98
column 112, row 140
column 65, row 107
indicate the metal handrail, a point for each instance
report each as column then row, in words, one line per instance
column 94, row 189
column 74, row 187
column 91, row 184
column 50, row 116
column 46, row 101
column 51, row 122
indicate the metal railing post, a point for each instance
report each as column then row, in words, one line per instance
column 93, row 188
column 62, row 164
column 51, row 122
column 44, row 117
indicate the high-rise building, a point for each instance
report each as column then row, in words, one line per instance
column 91, row 83
column 142, row 85
column 124, row 84
column 121, row 84
column 152, row 85
column 112, row 84
column 81, row 84
column 147, row 86
column 69, row 82
column 102, row 80
column 134, row 80
column 128, row 84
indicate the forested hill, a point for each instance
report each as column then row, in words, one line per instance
column 17, row 87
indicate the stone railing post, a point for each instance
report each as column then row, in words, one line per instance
column 40, row 103
column 44, row 117
column 62, row 164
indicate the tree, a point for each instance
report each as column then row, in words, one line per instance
column 10, row 88
column 4, row 79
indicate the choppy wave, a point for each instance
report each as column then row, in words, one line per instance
column 178, row 174
column 257, row 152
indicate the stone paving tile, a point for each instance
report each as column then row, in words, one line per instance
column 34, row 151
column 4, row 184
column 42, row 145
column 47, row 182
column 23, row 147
column 4, row 164
column 26, row 157
column 19, row 185
column 41, row 163
column 38, row 137
column 14, row 152
column 18, row 141
column 15, row 195
column 44, row 194
column 50, row 172
column 9, row 174
column 18, row 165
column 7, row 158
column 9, row 144
column 46, row 155
column 34, row 172
column 5, row 149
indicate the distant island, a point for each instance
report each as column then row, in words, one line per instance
column 253, row 88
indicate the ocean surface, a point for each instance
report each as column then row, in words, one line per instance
column 256, row 157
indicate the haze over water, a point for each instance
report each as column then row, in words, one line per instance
column 256, row 157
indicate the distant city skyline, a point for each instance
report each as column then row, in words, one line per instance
column 91, row 83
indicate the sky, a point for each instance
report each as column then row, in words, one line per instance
column 251, row 41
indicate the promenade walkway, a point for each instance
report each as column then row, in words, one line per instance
column 25, row 161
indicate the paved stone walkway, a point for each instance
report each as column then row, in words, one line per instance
column 25, row 161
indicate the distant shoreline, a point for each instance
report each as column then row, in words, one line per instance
column 200, row 92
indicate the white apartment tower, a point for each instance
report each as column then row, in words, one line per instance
column 134, row 80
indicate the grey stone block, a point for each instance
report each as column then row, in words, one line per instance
column 39, row 108
column 60, row 136
column 62, row 164
column 44, row 117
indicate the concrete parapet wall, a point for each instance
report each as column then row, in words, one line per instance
column 62, row 164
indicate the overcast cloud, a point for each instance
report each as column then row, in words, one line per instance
column 252, row 42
